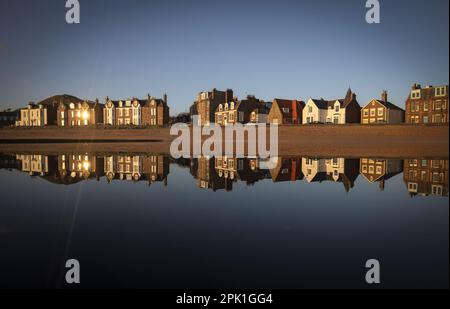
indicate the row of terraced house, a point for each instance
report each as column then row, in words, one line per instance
column 70, row 111
column 423, row 106
column 428, row 105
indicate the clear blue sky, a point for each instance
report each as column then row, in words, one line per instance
column 288, row 49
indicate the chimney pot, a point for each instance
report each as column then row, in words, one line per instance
column 384, row 96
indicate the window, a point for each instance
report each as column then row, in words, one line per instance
column 437, row 190
column 440, row 91
column 62, row 115
column 380, row 111
column 437, row 119
column 337, row 108
column 373, row 112
column 366, row 113
column 425, row 119
column 310, row 109
column 415, row 94
column 438, row 105
column 286, row 110
column 425, row 106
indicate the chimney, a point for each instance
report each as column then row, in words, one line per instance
column 148, row 96
column 294, row 111
column 353, row 96
column 165, row 98
column 229, row 95
column 384, row 96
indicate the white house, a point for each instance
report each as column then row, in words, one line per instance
column 315, row 111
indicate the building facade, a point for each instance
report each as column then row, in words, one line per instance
column 382, row 112
column 37, row 115
column 427, row 105
column 136, row 112
column 340, row 111
column 250, row 110
column 207, row 103
column 77, row 114
column 9, row 118
column 286, row 112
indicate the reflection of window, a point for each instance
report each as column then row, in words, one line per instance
column 437, row 190
column 412, row 187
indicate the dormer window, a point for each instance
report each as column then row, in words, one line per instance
column 440, row 91
column 220, row 107
column 226, row 106
column 415, row 94
column 286, row 110
column 337, row 108
column 232, row 105
column 72, row 106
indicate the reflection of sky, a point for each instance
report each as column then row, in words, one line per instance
column 291, row 234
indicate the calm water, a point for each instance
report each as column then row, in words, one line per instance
column 150, row 221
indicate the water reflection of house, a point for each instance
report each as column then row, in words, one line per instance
column 123, row 167
column 426, row 177
column 339, row 170
column 9, row 162
column 74, row 167
column 153, row 168
column 287, row 169
column 375, row 170
column 238, row 169
column 37, row 164
column 203, row 170
column 156, row 168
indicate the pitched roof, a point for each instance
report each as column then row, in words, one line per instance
column 321, row 103
column 57, row 99
column 389, row 105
